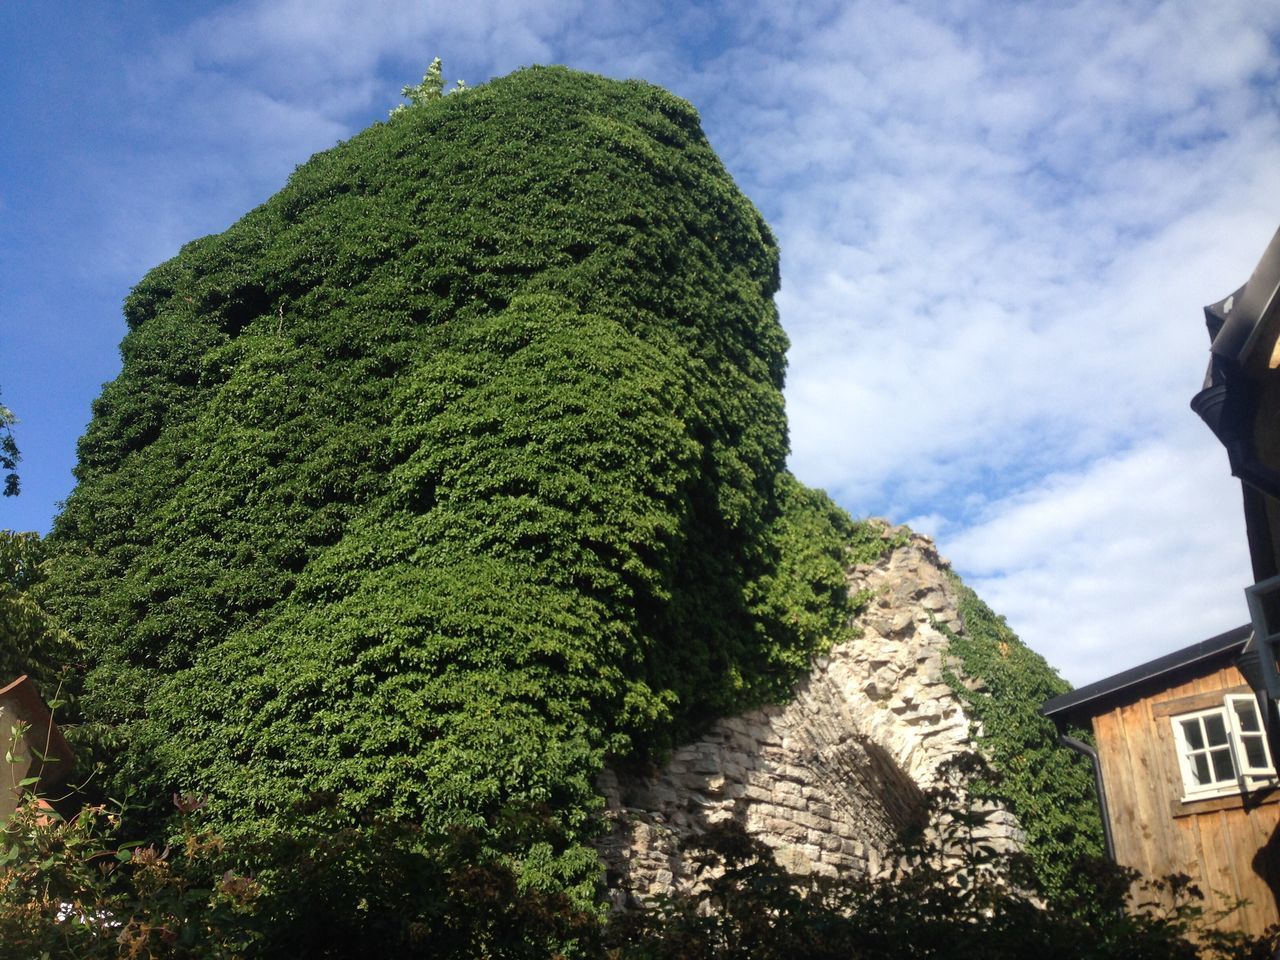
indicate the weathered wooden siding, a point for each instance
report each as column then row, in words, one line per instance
column 1224, row 844
column 20, row 704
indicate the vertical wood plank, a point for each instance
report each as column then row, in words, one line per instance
column 1143, row 780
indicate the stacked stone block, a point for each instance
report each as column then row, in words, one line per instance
column 831, row 778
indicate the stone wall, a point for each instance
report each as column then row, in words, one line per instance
column 829, row 779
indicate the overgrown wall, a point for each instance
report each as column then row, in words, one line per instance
column 831, row 778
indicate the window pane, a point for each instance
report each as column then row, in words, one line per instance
column 1200, row 765
column 1222, row 766
column 1191, row 730
column 1215, row 728
column 1246, row 714
column 1255, row 756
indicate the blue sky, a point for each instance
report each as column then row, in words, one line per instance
column 999, row 223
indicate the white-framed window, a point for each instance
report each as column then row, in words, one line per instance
column 1222, row 749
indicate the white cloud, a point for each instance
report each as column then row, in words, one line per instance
column 224, row 107
column 1139, row 554
column 998, row 227
column 998, row 231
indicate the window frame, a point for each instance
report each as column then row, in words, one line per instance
column 1246, row 776
column 1264, row 772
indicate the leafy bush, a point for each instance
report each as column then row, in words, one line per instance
column 386, row 888
column 30, row 641
column 985, row 906
column 71, row 888
column 66, row 890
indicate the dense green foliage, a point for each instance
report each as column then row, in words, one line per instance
column 30, row 641
column 453, row 469
column 323, row 888
column 1049, row 787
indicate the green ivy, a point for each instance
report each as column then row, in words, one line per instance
column 451, row 471
column 1049, row 787
column 31, row 642
column 871, row 540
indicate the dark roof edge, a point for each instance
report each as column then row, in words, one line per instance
column 1234, row 321
column 1060, row 706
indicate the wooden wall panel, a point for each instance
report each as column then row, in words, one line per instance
column 1156, row 833
column 1113, row 754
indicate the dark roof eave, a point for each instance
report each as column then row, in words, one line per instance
column 1233, row 330
column 1061, row 707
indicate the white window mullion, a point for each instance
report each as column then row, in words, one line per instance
column 1253, row 758
column 1223, row 749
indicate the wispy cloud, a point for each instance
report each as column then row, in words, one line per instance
column 998, row 224
column 998, row 228
column 1136, row 555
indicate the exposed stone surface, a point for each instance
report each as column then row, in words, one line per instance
column 829, row 779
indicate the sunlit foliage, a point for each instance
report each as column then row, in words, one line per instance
column 452, row 470
column 1049, row 787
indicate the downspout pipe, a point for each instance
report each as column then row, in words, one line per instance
column 1079, row 746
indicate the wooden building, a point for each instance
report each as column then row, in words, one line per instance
column 1186, row 744
column 33, row 743
column 1186, row 775
column 1240, row 402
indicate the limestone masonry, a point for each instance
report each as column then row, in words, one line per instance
column 828, row 779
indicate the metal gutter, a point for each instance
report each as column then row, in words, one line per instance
column 1079, row 746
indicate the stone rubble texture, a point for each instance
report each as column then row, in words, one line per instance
column 829, row 779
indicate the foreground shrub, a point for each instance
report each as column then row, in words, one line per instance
column 987, row 908
column 949, row 892
column 329, row 887
column 67, row 891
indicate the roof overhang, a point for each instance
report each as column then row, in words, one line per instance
column 1237, row 322
column 1244, row 342
column 1095, row 697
